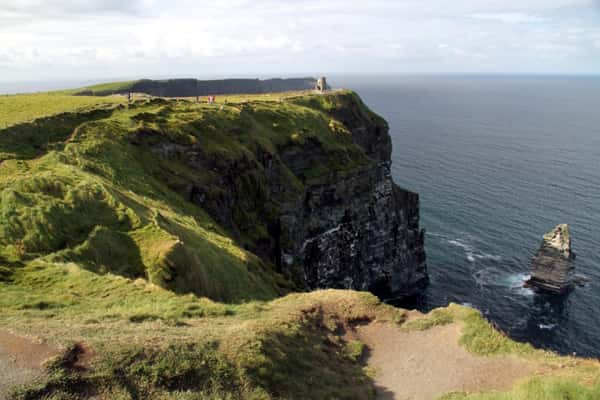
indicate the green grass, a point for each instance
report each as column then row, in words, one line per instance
column 565, row 377
column 104, row 89
column 98, row 188
column 537, row 389
column 355, row 349
column 478, row 336
column 89, row 188
column 148, row 344
column 16, row 109
column 481, row 338
column 437, row 317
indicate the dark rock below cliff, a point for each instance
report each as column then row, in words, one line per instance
column 552, row 270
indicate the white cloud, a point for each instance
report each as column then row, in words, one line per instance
column 74, row 7
column 510, row 17
column 103, row 38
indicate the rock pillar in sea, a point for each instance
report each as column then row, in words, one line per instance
column 552, row 270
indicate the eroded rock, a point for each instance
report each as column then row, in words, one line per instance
column 552, row 270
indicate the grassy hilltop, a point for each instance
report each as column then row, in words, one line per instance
column 15, row 109
column 90, row 187
column 145, row 295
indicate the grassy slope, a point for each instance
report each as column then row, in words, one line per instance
column 177, row 343
column 104, row 89
column 152, row 343
column 95, row 247
column 84, row 188
column 15, row 109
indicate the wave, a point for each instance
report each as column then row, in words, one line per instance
column 471, row 253
column 516, row 281
column 495, row 277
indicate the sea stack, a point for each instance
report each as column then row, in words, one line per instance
column 551, row 269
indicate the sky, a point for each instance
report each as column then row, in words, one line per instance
column 44, row 40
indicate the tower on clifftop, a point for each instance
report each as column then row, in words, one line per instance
column 321, row 84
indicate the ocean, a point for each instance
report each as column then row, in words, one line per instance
column 498, row 162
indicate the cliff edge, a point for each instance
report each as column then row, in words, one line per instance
column 357, row 229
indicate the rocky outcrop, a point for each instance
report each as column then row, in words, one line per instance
column 551, row 267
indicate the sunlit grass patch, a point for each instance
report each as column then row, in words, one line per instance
column 537, row 389
column 437, row 317
column 21, row 108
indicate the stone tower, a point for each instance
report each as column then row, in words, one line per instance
column 321, row 84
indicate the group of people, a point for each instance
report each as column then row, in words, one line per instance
column 210, row 99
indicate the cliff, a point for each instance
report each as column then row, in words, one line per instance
column 355, row 230
column 230, row 201
column 196, row 87
column 321, row 204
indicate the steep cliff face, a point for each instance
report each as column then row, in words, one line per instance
column 320, row 205
column 356, row 230
column 360, row 231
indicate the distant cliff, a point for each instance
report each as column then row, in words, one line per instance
column 195, row 87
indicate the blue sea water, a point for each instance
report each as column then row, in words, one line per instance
column 498, row 162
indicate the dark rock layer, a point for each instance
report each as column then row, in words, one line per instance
column 358, row 232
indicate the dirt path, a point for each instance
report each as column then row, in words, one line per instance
column 21, row 360
column 427, row 364
column 420, row 365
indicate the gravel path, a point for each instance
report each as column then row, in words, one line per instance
column 427, row 364
column 21, row 360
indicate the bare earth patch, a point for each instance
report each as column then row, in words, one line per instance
column 21, row 360
column 423, row 365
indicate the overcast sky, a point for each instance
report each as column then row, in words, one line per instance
column 100, row 39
